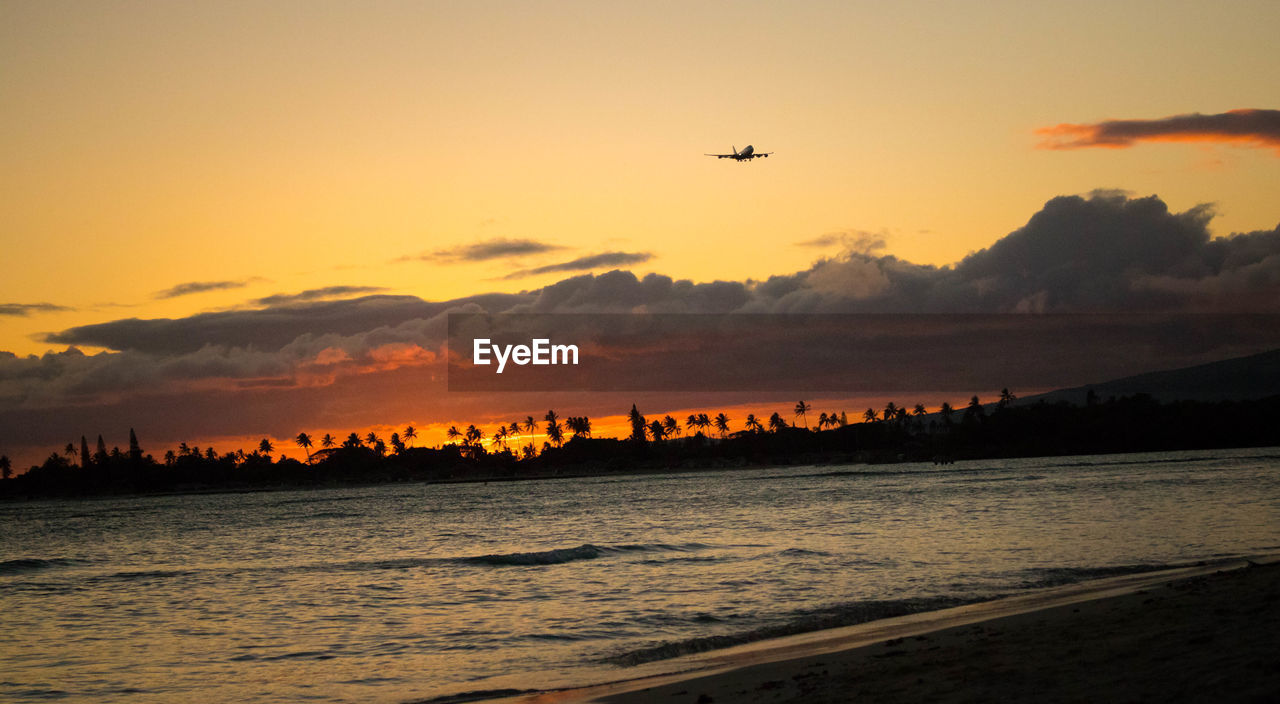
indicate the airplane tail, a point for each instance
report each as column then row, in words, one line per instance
column 735, row 151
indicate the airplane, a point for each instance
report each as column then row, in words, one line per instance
column 747, row 154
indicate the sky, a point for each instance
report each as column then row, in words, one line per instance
column 171, row 161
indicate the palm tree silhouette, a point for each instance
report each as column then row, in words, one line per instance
column 475, row 437
column 530, row 425
column 753, row 424
column 353, row 440
column 371, row 438
column 890, row 412
column 6, row 467
column 946, row 411
column 657, row 430
column 1006, row 398
column 410, row 434
column 801, row 409
column 691, row 422
column 327, row 441
column 265, row 448
column 670, row 426
column 304, row 441
column 822, row 421
column 869, row 416
column 722, row 424
column 554, row 433
column 453, row 433
column 776, row 423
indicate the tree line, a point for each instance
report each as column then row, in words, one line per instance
column 511, row 450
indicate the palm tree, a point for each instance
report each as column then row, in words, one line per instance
column 304, row 441
column 890, row 412
column 753, row 424
column 353, row 440
column 722, row 424
column 169, row 458
column 371, row 438
column 453, row 433
column 691, row 422
column 6, row 467
column 670, row 426
column 974, row 410
column 657, row 430
column 945, row 410
column 474, row 436
column 396, row 443
column 530, row 425
column 704, row 421
column 500, row 436
column 554, row 433
column 579, row 425
column 70, row 451
column 410, row 434
column 776, row 423
column 266, row 448
column 869, row 416
column 1006, row 398
column 801, row 409
column 328, row 441
column 822, row 421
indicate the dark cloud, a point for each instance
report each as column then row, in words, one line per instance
column 1259, row 128
column 192, row 287
column 316, row 294
column 25, row 309
column 497, row 248
column 591, row 261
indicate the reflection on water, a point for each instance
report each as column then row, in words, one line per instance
column 391, row 593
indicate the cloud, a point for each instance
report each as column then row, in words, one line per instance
column 26, row 309
column 849, row 241
column 1258, row 128
column 316, row 294
column 193, row 287
column 1107, row 252
column 497, row 248
column 591, row 261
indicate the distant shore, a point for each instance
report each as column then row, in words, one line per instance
column 1209, row 633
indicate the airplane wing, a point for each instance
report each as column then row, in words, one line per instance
column 722, row 156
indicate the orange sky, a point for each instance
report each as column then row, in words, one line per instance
column 279, row 147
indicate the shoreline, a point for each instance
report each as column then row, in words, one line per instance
column 936, row 648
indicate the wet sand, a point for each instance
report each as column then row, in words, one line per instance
column 1200, row 634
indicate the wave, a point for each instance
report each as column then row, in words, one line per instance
column 1038, row 577
column 33, row 564
column 586, row 551
column 800, row 622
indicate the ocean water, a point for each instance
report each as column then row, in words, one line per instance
column 409, row 592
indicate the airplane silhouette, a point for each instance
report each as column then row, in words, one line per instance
column 747, row 154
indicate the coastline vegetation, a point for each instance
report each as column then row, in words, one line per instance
column 701, row 441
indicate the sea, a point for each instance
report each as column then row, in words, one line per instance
column 420, row 592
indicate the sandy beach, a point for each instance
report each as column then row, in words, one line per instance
column 1208, row 633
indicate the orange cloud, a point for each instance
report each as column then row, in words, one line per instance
column 1256, row 128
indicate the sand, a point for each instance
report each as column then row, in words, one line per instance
column 1204, row 634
